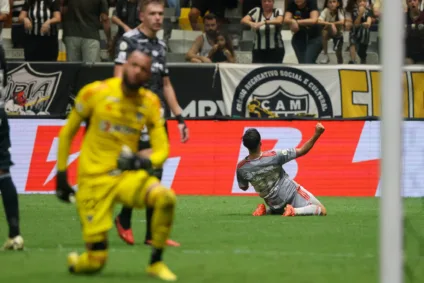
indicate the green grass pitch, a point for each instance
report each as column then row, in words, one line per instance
column 221, row 243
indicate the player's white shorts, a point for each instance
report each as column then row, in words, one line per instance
column 300, row 198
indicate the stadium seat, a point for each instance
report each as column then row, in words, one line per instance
column 279, row 4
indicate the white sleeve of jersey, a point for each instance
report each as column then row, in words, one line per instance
column 286, row 155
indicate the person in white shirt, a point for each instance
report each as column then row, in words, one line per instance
column 333, row 20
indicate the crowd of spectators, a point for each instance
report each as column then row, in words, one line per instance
column 313, row 23
column 35, row 26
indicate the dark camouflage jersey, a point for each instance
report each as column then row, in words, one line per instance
column 135, row 39
column 266, row 174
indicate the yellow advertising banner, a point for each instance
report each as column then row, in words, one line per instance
column 361, row 92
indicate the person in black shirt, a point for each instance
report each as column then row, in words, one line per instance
column 17, row 29
column 142, row 38
column 126, row 17
column 307, row 38
column 200, row 7
column 7, row 187
column 414, row 39
column 41, row 38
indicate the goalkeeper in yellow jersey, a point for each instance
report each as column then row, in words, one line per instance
column 116, row 110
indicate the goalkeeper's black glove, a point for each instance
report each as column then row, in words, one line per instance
column 130, row 161
column 64, row 191
column 183, row 128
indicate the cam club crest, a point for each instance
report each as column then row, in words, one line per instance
column 277, row 104
column 283, row 91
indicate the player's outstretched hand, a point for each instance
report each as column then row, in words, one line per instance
column 127, row 160
column 64, row 191
column 319, row 129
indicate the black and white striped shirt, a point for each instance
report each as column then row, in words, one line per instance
column 16, row 10
column 39, row 11
column 268, row 36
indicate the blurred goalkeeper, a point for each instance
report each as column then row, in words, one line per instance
column 264, row 171
column 108, row 172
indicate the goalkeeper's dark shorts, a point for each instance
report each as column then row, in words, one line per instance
column 144, row 142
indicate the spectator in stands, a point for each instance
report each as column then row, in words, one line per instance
column 176, row 5
column 302, row 15
column 18, row 30
column 332, row 17
column 266, row 22
column 414, row 39
column 40, row 18
column 359, row 18
column 203, row 44
column 322, row 4
column 4, row 14
column 222, row 51
column 81, row 24
column 127, row 17
column 200, row 7
column 377, row 9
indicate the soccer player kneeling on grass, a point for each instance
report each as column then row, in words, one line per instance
column 265, row 172
column 116, row 110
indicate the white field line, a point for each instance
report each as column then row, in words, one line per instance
column 237, row 252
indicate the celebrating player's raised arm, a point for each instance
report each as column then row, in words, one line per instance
column 319, row 129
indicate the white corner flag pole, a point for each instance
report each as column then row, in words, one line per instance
column 391, row 211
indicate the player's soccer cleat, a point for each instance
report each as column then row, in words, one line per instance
column 169, row 242
column 72, row 261
column 15, row 244
column 125, row 234
column 260, row 210
column 288, row 210
column 161, row 271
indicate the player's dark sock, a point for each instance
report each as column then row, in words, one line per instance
column 156, row 255
column 149, row 215
column 149, row 211
column 10, row 203
column 125, row 217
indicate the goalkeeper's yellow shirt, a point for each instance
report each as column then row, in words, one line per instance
column 114, row 120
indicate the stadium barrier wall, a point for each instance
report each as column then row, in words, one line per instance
column 232, row 90
column 344, row 162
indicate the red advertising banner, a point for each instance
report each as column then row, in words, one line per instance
column 207, row 163
column 42, row 169
column 343, row 162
